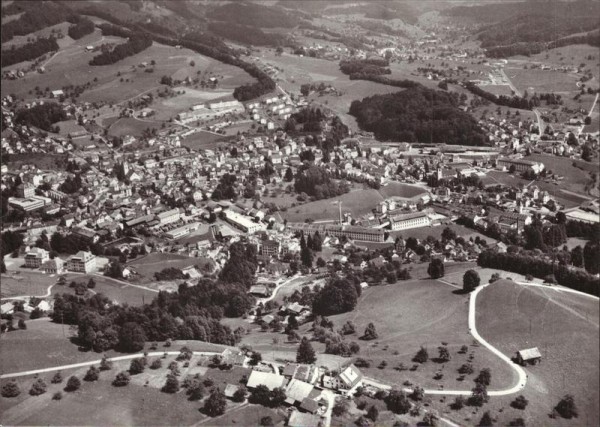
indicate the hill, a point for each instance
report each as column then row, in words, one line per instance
column 417, row 114
column 253, row 14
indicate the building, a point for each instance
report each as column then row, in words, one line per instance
column 269, row 248
column 349, row 231
column 26, row 190
column 529, row 356
column 168, row 217
column 520, row 165
column 302, row 419
column 53, row 266
column 27, row 204
column 36, row 257
column 82, row 262
column 409, row 220
column 296, row 391
column 350, row 379
column 184, row 230
column 242, row 222
column 268, row 379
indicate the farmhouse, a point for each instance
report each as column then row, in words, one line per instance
column 269, row 380
column 529, row 356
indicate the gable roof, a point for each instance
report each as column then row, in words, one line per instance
column 297, row 391
column 530, row 353
column 271, row 381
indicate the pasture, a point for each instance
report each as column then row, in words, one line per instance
column 398, row 189
column 358, row 202
column 202, row 140
column 542, row 81
column 497, row 90
column 565, row 329
column 25, row 283
column 415, row 313
column 155, row 262
column 132, row 126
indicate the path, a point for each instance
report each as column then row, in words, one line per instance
column 122, row 282
column 279, row 286
column 97, row 362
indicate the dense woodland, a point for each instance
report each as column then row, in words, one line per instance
column 41, row 116
column 81, row 28
column 136, row 44
column 507, row 101
column 417, row 114
column 28, row 51
column 37, row 15
column 245, row 34
column 364, row 67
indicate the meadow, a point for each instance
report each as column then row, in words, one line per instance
column 565, row 329
column 415, row 313
column 155, row 262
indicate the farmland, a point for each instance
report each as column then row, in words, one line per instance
column 565, row 329
column 155, row 262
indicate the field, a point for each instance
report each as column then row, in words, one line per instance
column 358, row 202
column 398, row 189
column 25, row 283
column 155, row 262
column 565, row 329
column 497, row 89
column 542, row 81
column 415, row 313
column 124, row 80
column 202, row 140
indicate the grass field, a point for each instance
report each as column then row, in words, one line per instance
column 132, row 126
column 565, row 329
column 357, row 202
column 542, row 81
column 25, row 283
column 398, row 189
column 155, row 262
column 202, row 140
column 497, row 89
column 418, row 313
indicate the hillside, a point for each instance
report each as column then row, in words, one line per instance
column 417, row 114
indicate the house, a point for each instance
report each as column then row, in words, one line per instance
column 233, row 357
column 302, row 419
column 230, row 390
column 350, row 379
column 296, row 391
column 269, row 380
column 259, row 291
column 529, row 356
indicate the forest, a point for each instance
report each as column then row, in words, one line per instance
column 245, row 34
column 41, row 116
column 28, row 51
column 36, row 16
column 136, row 44
column 81, row 28
column 364, row 67
column 507, row 101
column 417, row 114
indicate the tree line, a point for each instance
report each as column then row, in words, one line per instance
column 541, row 268
column 246, row 34
column 36, row 16
column 28, row 51
column 41, row 116
column 417, row 114
column 507, row 101
column 372, row 67
column 136, row 44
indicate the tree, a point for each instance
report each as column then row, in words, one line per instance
column 373, row 413
column 122, row 379
column 171, row 385
column 73, row 384
column 436, row 268
column 370, row 332
column 577, row 256
column 520, row 402
column 348, row 328
column 479, row 395
column 486, row 420
column 240, row 394
column 305, row 353
column 57, row 378
column 22, row 324
column 91, row 283
column 566, row 408
column 136, row 366
column 307, row 256
column 216, row 404
column 422, row 356
column 340, row 408
column 105, row 364
column 11, row 389
column 255, row 358
column 92, row 374
column 260, row 396
column 484, row 377
column 397, row 402
column 459, row 403
column 443, row 353
column 277, row 397
column 131, row 337
column 266, row 421
column 471, row 280
column 418, row 393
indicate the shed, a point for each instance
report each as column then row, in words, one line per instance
column 529, row 356
column 230, row 390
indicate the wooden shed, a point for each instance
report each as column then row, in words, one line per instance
column 529, row 356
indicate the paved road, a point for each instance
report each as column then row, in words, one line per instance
column 97, row 362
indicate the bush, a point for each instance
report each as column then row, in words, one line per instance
column 422, row 356
column 156, row 364
column 73, row 384
column 216, row 404
column 266, row 421
column 105, row 364
column 38, row 387
column 240, row 394
column 122, row 379
column 57, row 378
column 340, row 408
column 57, row 396
column 11, row 389
column 566, row 408
column 459, row 403
column 471, row 280
column 171, row 385
column 520, row 402
column 92, row 374
column 136, row 366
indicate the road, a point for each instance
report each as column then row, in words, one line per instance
column 517, row 92
column 48, row 293
column 277, row 288
column 97, row 362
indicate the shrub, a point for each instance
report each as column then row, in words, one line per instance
column 57, row 396
column 38, row 387
column 73, row 384
column 57, row 378
column 340, row 408
column 122, row 379
column 156, row 364
column 11, row 389
column 105, row 364
column 566, row 408
column 171, row 385
column 136, row 366
column 520, row 402
column 92, row 374
column 362, row 363
column 459, row 403
column 422, row 356
column 240, row 394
